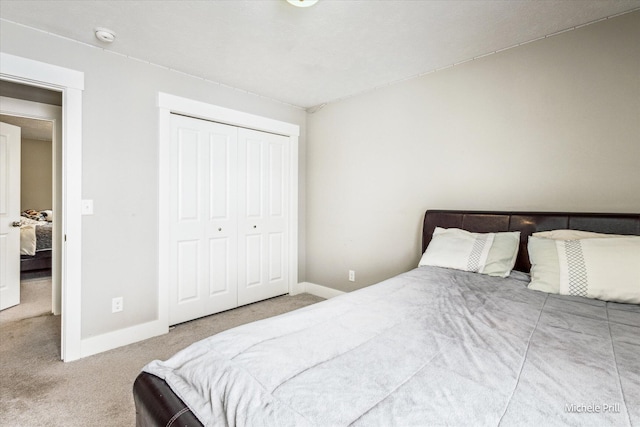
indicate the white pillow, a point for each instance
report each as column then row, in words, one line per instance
column 573, row 234
column 48, row 215
column 493, row 254
column 28, row 240
column 606, row 269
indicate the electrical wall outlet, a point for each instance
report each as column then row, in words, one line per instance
column 117, row 304
column 352, row 276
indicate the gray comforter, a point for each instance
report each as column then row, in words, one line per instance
column 428, row 347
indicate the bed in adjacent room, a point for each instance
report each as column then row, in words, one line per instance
column 35, row 240
column 475, row 335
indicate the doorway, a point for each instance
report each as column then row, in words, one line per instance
column 70, row 84
column 38, row 113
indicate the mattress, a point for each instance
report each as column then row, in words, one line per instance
column 432, row 346
column 43, row 233
column 43, row 236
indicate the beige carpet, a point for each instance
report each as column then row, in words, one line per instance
column 35, row 300
column 36, row 389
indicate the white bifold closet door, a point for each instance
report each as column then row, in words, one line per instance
column 263, row 203
column 229, row 199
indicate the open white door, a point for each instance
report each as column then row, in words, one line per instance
column 9, row 215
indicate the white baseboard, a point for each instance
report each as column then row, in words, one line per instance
column 320, row 291
column 122, row 337
column 297, row 288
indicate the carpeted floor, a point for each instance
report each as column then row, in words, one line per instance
column 35, row 297
column 37, row 389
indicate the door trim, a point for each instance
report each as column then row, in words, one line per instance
column 168, row 104
column 71, row 84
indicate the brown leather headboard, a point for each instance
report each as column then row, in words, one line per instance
column 528, row 223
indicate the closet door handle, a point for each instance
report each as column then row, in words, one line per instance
column 255, row 226
column 15, row 224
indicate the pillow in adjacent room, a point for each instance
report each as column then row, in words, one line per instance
column 47, row 215
column 28, row 240
column 602, row 268
column 493, row 254
column 32, row 214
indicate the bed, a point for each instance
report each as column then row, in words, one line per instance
column 35, row 241
column 432, row 346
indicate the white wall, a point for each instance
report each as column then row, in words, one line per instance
column 36, row 175
column 120, row 167
column 550, row 125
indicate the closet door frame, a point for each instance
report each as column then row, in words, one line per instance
column 170, row 104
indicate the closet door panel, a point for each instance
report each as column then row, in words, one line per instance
column 277, row 208
column 276, row 181
column 254, row 174
column 276, row 257
column 188, row 255
column 263, row 193
column 254, row 260
column 203, row 216
column 187, row 174
column 221, row 176
column 220, row 258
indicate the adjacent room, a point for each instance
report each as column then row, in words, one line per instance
column 320, row 212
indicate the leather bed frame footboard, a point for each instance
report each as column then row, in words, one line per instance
column 157, row 405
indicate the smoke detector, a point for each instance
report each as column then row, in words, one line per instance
column 302, row 3
column 105, row 35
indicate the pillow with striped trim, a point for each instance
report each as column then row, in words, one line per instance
column 565, row 234
column 493, row 254
column 606, row 269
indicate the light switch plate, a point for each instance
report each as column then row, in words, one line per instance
column 87, row 207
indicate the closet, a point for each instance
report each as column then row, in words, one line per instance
column 229, row 202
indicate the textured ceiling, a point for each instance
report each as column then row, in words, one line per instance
column 310, row 56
